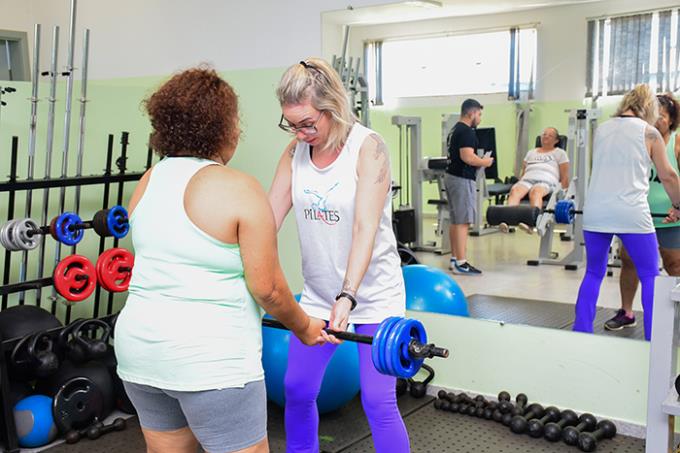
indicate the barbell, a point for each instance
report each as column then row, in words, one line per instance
column 67, row 228
column 564, row 213
column 398, row 347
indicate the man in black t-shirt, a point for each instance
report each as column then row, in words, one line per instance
column 460, row 184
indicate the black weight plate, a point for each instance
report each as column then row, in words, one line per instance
column 77, row 404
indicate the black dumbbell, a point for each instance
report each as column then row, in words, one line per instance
column 97, row 430
column 75, row 435
column 438, row 404
column 586, row 422
column 588, row 441
column 471, row 410
column 497, row 415
column 553, row 431
column 445, row 405
column 520, row 423
column 536, row 425
column 519, row 408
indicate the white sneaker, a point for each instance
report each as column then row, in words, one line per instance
column 503, row 227
column 526, row 228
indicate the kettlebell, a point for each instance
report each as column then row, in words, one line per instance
column 80, row 342
column 34, row 356
column 402, row 386
column 418, row 389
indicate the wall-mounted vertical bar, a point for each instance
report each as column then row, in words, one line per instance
column 10, row 215
column 31, row 145
column 67, row 128
column 49, row 140
column 121, row 163
column 105, row 204
column 81, row 137
column 83, row 103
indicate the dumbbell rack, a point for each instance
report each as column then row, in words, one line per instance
column 8, row 436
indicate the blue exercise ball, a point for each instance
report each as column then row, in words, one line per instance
column 340, row 383
column 34, row 421
column 433, row 290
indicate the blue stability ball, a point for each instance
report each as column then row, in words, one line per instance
column 340, row 383
column 433, row 290
column 34, row 421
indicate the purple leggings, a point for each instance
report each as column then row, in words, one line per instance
column 643, row 250
column 306, row 367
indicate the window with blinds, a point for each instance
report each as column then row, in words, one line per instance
column 625, row 51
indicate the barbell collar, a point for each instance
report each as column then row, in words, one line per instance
column 419, row 350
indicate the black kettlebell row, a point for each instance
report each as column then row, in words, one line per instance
column 38, row 354
column 550, row 422
column 74, row 366
column 417, row 389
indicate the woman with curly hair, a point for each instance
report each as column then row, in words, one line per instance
column 624, row 149
column 188, row 341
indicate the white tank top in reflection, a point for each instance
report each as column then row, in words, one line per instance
column 616, row 200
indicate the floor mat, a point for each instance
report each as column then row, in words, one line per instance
column 433, row 431
column 540, row 313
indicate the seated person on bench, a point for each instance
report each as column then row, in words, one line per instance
column 545, row 169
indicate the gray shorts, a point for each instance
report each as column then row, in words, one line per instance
column 462, row 196
column 222, row 420
column 668, row 238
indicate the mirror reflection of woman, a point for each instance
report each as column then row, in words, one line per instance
column 624, row 149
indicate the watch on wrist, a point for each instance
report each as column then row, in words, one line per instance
column 676, row 207
column 349, row 297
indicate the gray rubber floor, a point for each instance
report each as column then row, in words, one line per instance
column 430, row 431
column 434, row 431
column 540, row 313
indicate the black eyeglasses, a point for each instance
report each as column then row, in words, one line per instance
column 305, row 129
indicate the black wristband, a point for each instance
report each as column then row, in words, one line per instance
column 348, row 296
column 676, row 207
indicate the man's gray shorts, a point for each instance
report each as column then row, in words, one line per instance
column 222, row 420
column 462, row 196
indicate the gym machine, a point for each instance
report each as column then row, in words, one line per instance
column 354, row 82
column 562, row 204
column 414, row 170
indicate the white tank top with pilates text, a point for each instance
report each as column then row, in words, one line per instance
column 324, row 204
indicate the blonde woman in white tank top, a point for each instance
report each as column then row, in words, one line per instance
column 335, row 175
column 624, row 149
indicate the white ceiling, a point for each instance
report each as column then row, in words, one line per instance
column 404, row 12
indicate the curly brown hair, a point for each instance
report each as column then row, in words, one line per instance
column 195, row 113
column 671, row 105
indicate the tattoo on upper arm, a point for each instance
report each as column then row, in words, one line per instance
column 652, row 134
column 291, row 149
column 381, row 152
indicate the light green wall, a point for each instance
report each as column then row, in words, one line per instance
column 115, row 106
column 595, row 373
